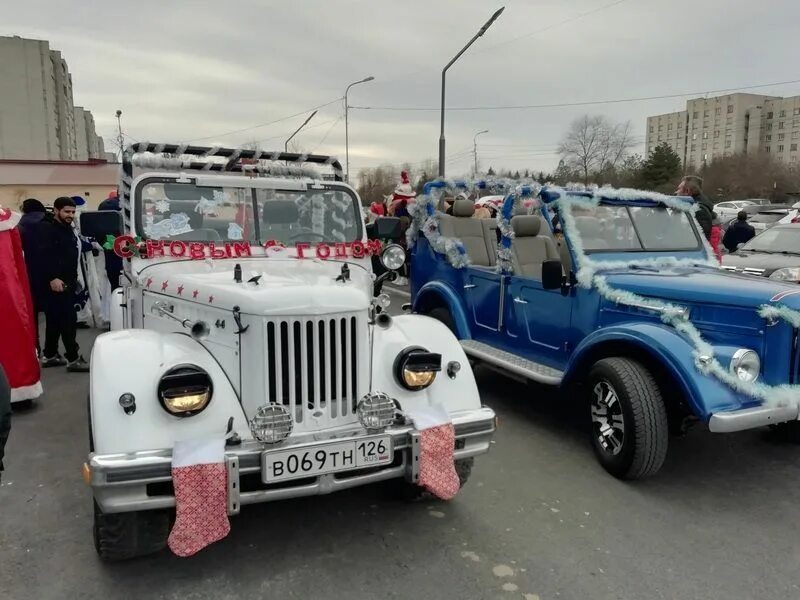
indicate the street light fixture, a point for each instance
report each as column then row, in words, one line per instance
column 289, row 139
column 120, row 139
column 346, row 127
column 475, row 148
column 481, row 31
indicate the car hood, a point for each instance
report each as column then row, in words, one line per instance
column 706, row 286
column 760, row 260
column 284, row 286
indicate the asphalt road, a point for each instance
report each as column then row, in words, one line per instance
column 538, row 520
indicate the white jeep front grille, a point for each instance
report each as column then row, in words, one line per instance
column 312, row 367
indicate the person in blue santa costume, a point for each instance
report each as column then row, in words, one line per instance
column 18, row 350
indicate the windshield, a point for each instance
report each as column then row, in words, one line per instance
column 634, row 228
column 777, row 239
column 767, row 217
column 184, row 211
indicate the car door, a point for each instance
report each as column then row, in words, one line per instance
column 537, row 320
column 482, row 292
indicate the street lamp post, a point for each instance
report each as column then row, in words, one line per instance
column 120, row 139
column 346, row 127
column 481, row 31
column 475, row 148
column 289, row 139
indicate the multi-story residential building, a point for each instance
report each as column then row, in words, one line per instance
column 720, row 126
column 38, row 120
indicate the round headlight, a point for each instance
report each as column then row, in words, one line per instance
column 415, row 368
column 271, row 423
column 185, row 391
column 393, row 257
column 376, row 411
column 746, row 365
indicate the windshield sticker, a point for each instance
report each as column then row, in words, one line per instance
column 209, row 207
column 235, row 231
column 162, row 206
column 177, row 224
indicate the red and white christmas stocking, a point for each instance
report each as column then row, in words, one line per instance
column 437, row 471
column 201, row 495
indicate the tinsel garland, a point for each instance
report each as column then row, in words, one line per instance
column 425, row 219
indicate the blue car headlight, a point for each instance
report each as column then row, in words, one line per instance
column 746, row 365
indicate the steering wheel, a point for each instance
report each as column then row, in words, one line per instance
column 299, row 234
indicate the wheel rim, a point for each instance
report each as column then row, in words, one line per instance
column 607, row 420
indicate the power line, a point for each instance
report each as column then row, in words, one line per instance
column 286, row 118
column 552, row 26
column 327, row 133
column 580, row 103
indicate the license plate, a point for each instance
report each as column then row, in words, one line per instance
column 318, row 459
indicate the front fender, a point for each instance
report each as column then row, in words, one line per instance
column 437, row 293
column 133, row 361
column 704, row 393
column 456, row 394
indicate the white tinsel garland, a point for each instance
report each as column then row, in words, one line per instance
column 425, row 219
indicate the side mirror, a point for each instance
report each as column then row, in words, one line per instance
column 552, row 275
column 100, row 223
column 385, row 228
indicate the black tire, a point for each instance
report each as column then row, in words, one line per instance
column 121, row 536
column 443, row 315
column 788, row 432
column 411, row 492
column 639, row 448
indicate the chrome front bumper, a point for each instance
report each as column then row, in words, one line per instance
column 136, row 480
column 750, row 418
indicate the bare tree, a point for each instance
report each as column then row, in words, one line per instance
column 593, row 143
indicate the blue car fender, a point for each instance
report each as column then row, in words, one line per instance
column 704, row 394
column 438, row 293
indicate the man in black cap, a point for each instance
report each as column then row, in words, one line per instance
column 739, row 232
column 61, row 254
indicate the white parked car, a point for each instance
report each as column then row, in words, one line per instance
column 793, row 216
column 729, row 210
column 260, row 324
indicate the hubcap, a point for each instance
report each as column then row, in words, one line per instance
column 608, row 423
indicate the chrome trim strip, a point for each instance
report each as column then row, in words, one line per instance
column 750, row 418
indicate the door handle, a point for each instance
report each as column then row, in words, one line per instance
column 469, row 286
column 520, row 300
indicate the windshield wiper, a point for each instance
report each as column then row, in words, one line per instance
column 789, row 252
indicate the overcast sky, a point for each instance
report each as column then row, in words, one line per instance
column 196, row 70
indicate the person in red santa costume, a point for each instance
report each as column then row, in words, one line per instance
column 18, row 350
column 402, row 196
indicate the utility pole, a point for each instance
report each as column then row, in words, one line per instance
column 481, row 31
column 346, row 127
column 475, row 148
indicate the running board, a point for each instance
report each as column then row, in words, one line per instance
column 512, row 363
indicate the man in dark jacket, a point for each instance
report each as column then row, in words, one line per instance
column 113, row 262
column 740, row 232
column 692, row 185
column 61, row 256
column 5, row 415
column 30, row 231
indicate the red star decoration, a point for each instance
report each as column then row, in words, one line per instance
column 164, row 285
column 194, row 293
column 149, row 281
column 210, row 299
column 180, row 290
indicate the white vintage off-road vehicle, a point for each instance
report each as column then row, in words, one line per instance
column 249, row 309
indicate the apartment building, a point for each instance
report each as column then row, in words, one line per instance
column 38, row 119
column 720, row 126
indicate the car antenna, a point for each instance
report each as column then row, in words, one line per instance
column 344, row 276
column 237, row 273
column 254, row 279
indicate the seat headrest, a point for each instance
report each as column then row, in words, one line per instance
column 463, row 208
column 526, row 225
column 279, row 212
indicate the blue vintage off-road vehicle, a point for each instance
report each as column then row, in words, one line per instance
column 617, row 293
